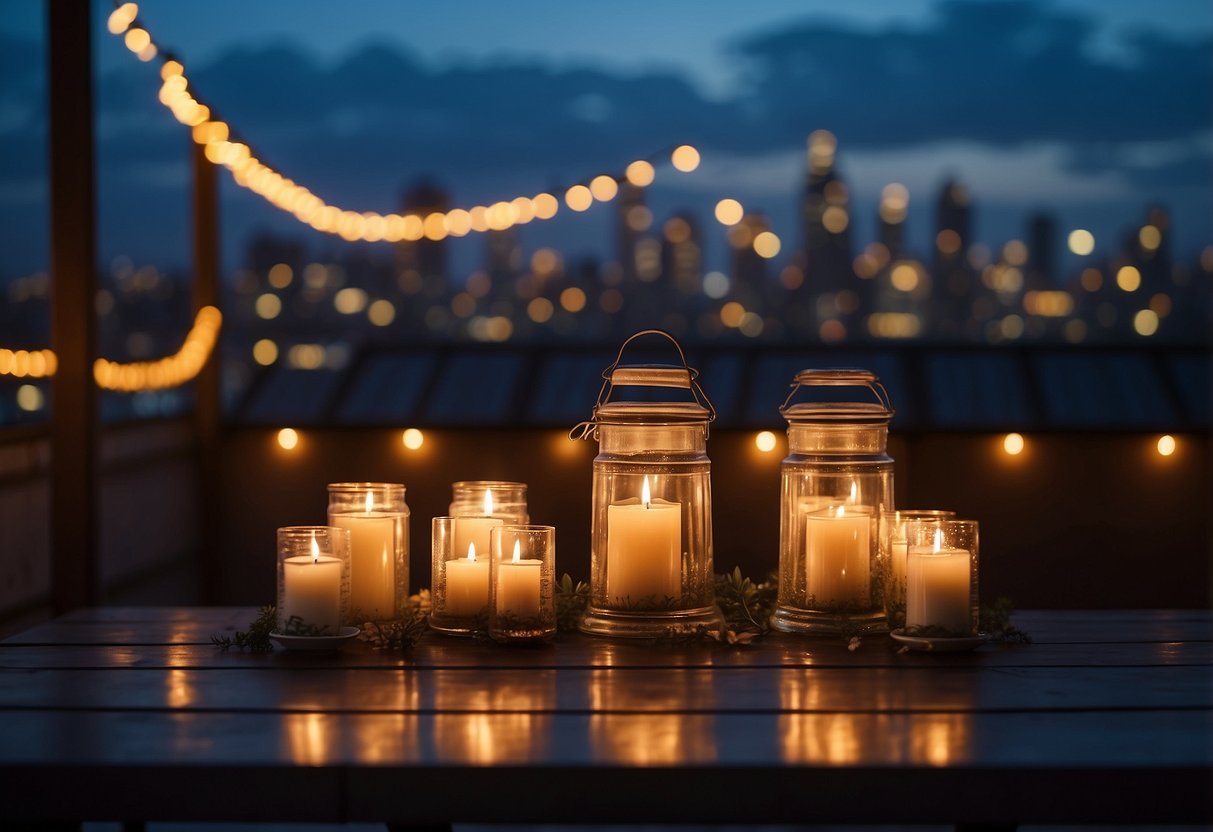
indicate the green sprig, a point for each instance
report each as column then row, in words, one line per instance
column 256, row 638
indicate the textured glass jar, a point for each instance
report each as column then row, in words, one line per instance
column 378, row 520
column 894, row 541
column 941, row 578
column 313, row 580
column 522, row 582
column 490, row 498
column 459, row 577
column 836, row 481
column 651, row 537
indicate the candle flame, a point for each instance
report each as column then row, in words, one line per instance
column 488, row 502
column 854, row 492
column 517, row 551
column 938, row 539
column 841, row 510
column 471, row 550
column 315, row 548
column 370, row 501
column 645, row 496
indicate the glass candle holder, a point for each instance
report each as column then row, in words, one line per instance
column 893, row 546
column 522, row 579
column 378, row 520
column 490, row 498
column 836, row 481
column 313, row 580
column 459, row 586
column 651, row 532
column 941, row 578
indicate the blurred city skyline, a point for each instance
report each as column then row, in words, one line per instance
column 1089, row 112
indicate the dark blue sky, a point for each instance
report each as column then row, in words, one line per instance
column 1091, row 110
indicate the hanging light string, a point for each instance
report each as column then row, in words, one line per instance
column 223, row 148
column 133, row 377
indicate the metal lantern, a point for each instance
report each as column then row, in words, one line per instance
column 651, row 540
column 836, row 482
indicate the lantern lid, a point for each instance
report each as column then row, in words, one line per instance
column 675, row 377
column 854, row 412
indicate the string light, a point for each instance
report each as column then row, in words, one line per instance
column 172, row 371
column 222, row 148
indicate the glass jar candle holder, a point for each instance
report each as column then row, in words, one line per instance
column 893, row 547
column 941, row 578
column 522, row 579
column 459, row 588
column 378, row 520
column 490, row 498
column 651, row 531
column 836, row 481
column 313, row 580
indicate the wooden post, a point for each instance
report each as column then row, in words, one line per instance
column 206, row 388
column 74, row 556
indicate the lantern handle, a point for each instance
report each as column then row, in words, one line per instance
column 840, row 377
column 684, row 377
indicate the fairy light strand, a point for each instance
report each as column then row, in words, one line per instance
column 222, row 148
column 131, row 377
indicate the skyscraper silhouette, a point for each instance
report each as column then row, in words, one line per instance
column 825, row 217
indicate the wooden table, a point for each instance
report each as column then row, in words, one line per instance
column 131, row 714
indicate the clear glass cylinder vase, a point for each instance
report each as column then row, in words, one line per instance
column 894, row 545
column 459, row 588
column 490, row 498
column 651, row 531
column 377, row 518
column 941, row 578
column 313, row 580
column 522, row 583
column 836, row 482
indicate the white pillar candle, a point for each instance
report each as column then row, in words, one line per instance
column 312, row 591
column 838, row 556
column 372, row 560
column 468, row 531
column 467, row 584
column 938, row 587
column 644, row 550
column 518, row 585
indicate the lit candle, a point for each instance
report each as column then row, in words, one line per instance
column 312, row 590
column 518, row 585
column 838, row 555
column 938, row 587
column 644, row 549
column 467, row 584
column 372, row 560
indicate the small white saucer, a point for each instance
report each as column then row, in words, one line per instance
column 940, row 644
column 315, row 644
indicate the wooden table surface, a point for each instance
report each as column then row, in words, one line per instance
column 131, row 714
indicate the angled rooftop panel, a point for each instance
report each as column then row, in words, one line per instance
column 977, row 390
column 387, row 387
column 475, row 388
column 1102, row 389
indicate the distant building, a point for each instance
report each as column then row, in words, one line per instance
column 825, row 218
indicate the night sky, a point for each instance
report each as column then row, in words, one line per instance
column 1089, row 110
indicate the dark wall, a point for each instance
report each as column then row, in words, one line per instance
column 1075, row 521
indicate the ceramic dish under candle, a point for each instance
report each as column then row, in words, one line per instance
column 940, row 644
column 314, row 644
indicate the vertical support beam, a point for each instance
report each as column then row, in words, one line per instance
column 74, row 552
column 206, row 388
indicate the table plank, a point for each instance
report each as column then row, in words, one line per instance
column 402, row 766
column 1106, row 718
column 698, row 690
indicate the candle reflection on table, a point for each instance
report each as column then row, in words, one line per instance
column 310, row 738
column 509, row 723
column 666, row 736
